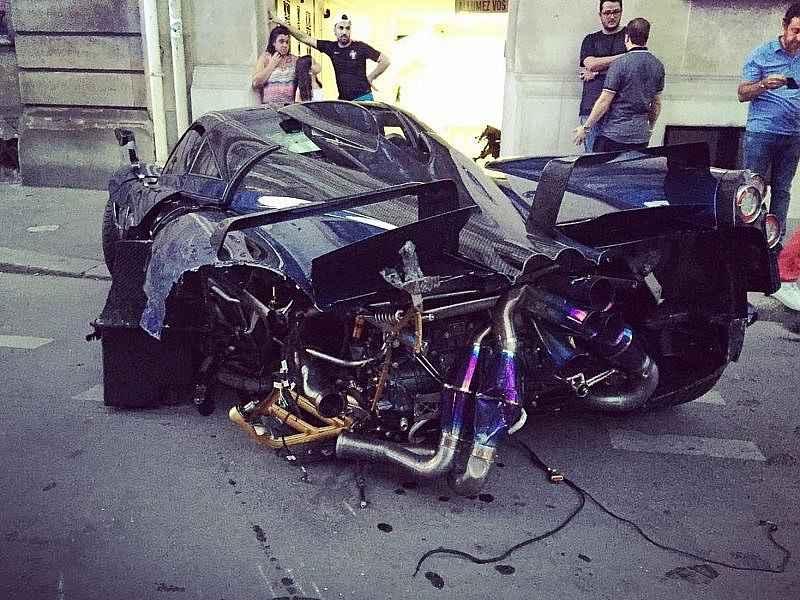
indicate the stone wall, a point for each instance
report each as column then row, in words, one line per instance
column 81, row 74
column 702, row 43
column 9, row 82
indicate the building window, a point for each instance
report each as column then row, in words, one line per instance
column 5, row 37
column 724, row 143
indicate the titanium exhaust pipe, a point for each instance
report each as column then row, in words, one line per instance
column 316, row 385
column 456, row 408
column 616, row 344
column 357, row 447
column 592, row 291
column 641, row 370
column 328, row 401
column 497, row 405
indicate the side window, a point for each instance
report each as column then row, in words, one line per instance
column 239, row 152
column 4, row 25
column 184, row 153
column 205, row 164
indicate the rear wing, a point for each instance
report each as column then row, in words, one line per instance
column 434, row 198
column 553, row 173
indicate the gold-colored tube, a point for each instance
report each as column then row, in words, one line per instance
column 306, row 432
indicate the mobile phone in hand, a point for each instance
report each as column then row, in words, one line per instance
column 791, row 83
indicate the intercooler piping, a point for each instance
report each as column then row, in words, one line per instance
column 457, row 401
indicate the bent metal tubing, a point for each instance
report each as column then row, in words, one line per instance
column 456, row 409
column 497, row 406
column 306, row 433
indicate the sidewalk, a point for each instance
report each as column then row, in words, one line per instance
column 51, row 231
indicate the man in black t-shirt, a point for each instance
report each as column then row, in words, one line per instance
column 598, row 51
column 349, row 59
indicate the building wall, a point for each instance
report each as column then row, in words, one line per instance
column 9, row 82
column 702, row 43
column 81, row 74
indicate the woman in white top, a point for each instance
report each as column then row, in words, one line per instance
column 274, row 76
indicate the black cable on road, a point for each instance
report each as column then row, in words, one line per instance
column 556, row 477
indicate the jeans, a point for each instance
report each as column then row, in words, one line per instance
column 781, row 153
column 604, row 144
column 591, row 135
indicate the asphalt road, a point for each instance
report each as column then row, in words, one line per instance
column 166, row 504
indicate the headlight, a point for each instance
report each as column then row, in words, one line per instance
column 772, row 229
column 748, row 202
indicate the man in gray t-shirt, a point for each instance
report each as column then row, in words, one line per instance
column 631, row 97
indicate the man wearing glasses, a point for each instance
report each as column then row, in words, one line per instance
column 598, row 51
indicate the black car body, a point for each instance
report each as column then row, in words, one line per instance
column 368, row 291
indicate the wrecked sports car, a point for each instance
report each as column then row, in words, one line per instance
column 361, row 289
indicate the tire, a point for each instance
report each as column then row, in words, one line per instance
column 142, row 372
column 110, row 235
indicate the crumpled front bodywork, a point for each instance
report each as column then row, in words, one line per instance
column 494, row 236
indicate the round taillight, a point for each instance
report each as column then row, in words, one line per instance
column 759, row 182
column 772, row 229
column 748, row 202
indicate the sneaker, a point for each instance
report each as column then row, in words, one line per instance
column 789, row 295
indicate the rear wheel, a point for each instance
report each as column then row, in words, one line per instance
column 140, row 371
column 110, row 235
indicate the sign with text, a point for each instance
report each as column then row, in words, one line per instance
column 482, row 6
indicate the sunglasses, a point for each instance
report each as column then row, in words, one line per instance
column 611, row 13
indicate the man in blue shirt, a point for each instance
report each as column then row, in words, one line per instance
column 772, row 136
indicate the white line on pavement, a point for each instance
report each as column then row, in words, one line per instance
column 635, row 441
column 350, row 508
column 23, row 342
column 266, row 580
column 94, row 394
column 316, row 589
column 712, row 397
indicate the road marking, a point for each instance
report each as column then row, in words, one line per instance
column 350, row 508
column 635, row 441
column 297, row 584
column 23, row 342
column 712, row 397
column 266, row 580
column 43, row 228
column 93, row 394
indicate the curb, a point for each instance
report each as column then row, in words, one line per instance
column 35, row 263
column 31, row 270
